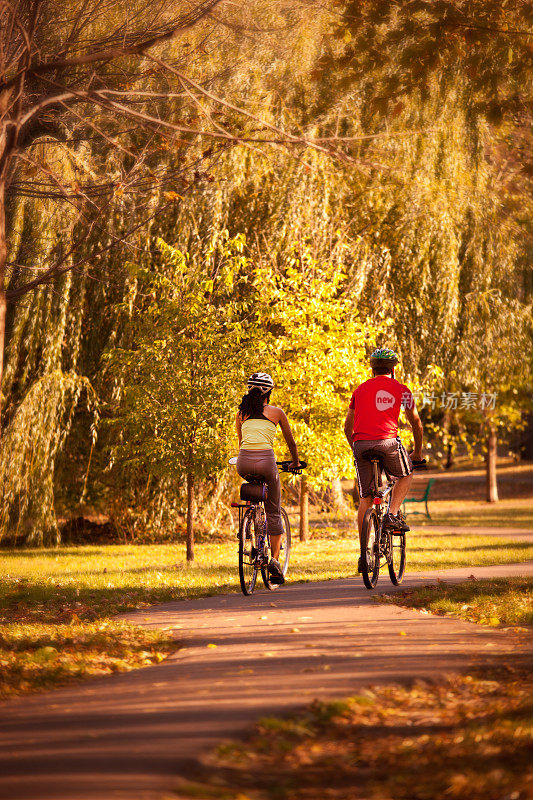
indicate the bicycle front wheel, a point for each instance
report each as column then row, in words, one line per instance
column 396, row 561
column 370, row 549
column 247, row 554
column 284, row 553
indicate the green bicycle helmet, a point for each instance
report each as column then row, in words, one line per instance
column 383, row 356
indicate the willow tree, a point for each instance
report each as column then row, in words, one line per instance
column 493, row 348
column 85, row 74
column 110, row 115
column 393, row 51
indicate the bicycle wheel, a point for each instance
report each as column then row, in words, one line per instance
column 370, row 549
column 284, row 553
column 247, row 554
column 396, row 562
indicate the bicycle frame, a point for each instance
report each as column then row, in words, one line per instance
column 381, row 546
column 382, row 497
column 263, row 536
column 381, row 502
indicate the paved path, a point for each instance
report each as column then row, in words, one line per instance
column 129, row 735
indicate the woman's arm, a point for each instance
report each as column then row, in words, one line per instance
column 238, row 426
column 289, row 438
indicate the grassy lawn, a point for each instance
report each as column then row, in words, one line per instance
column 466, row 737
column 502, row 601
column 516, row 513
column 56, row 604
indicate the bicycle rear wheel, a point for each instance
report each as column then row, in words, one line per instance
column 370, row 549
column 396, row 561
column 247, row 554
column 284, row 553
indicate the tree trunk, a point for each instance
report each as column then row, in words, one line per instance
column 490, row 462
column 304, row 509
column 190, row 510
column 337, row 496
column 3, row 259
column 446, row 425
column 449, row 456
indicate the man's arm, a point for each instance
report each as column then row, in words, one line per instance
column 348, row 426
column 418, row 431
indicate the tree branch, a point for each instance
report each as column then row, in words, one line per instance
column 113, row 53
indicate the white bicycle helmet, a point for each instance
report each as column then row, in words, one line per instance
column 262, row 381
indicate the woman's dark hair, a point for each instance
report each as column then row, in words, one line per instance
column 252, row 403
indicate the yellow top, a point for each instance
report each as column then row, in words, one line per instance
column 258, row 434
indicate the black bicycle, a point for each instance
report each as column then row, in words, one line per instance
column 254, row 541
column 380, row 546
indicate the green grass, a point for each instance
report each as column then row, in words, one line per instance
column 516, row 513
column 64, row 598
column 467, row 737
column 501, row 601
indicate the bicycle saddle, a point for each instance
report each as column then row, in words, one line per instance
column 372, row 455
column 257, row 479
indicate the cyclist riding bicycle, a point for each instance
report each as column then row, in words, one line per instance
column 256, row 428
column 372, row 423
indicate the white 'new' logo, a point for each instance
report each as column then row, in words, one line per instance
column 384, row 400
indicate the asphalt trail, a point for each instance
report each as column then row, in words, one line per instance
column 129, row 736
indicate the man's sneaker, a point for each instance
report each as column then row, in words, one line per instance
column 395, row 522
column 276, row 573
column 360, row 565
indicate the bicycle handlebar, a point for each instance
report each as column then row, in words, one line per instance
column 422, row 464
column 284, row 467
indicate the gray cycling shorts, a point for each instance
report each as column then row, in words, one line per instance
column 396, row 461
column 263, row 462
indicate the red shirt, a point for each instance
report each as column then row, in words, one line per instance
column 377, row 404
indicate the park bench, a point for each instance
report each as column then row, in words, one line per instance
column 419, row 493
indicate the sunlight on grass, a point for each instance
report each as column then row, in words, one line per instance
column 515, row 513
column 500, row 601
column 111, row 578
column 41, row 656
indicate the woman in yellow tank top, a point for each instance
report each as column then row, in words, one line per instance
column 256, row 425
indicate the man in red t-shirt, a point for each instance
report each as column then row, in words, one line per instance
column 372, row 422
